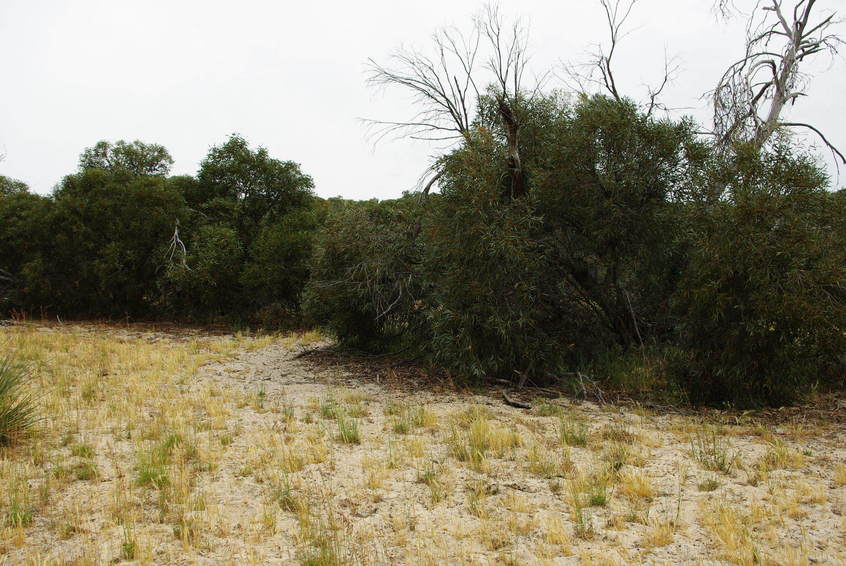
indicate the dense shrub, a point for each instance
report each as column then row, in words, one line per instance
column 762, row 308
column 108, row 233
column 636, row 250
column 632, row 251
column 365, row 286
column 203, row 283
column 609, row 189
column 279, row 259
column 105, row 244
column 23, row 231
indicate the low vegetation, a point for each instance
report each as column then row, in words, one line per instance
column 163, row 447
column 17, row 409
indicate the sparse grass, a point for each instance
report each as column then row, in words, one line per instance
column 407, row 418
column 82, row 451
column 555, row 532
column 546, row 463
column 573, row 433
column 152, row 464
column 282, row 493
column 710, row 484
column 619, row 454
column 84, row 470
column 329, row 408
column 713, row 452
column 618, row 432
column 732, row 531
column 635, row 484
column 432, row 476
column 347, row 429
column 483, row 438
column 780, row 456
column 659, row 532
column 547, row 409
column 145, row 460
column 477, row 491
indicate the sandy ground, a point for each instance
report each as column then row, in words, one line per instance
column 275, row 474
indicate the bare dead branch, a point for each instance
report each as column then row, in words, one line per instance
column 176, row 246
column 598, row 71
column 445, row 86
column 752, row 94
column 834, row 150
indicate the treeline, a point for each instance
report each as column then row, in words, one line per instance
column 635, row 251
column 122, row 239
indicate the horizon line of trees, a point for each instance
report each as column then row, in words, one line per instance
column 571, row 233
column 120, row 238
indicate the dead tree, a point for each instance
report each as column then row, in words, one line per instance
column 753, row 93
column 507, row 62
column 447, row 84
column 598, row 71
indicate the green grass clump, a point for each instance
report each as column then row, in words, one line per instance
column 573, row 433
column 347, row 429
column 84, row 470
column 713, row 452
column 405, row 417
column 152, row 464
column 17, row 409
column 82, row 451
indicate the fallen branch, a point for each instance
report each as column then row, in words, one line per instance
column 513, row 402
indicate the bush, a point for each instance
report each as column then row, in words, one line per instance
column 17, row 410
column 278, row 267
column 488, row 301
column 206, row 284
column 762, row 307
column 365, row 285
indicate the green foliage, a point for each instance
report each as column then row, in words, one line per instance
column 11, row 186
column 135, row 158
column 364, row 286
column 108, row 235
column 486, row 271
column 278, row 266
column 247, row 187
column 17, row 409
column 713, row 452
column 638, row 254
column 762, row 307
column 24, row 229
column 206, row 282
column 120, row 239
column 633, row 252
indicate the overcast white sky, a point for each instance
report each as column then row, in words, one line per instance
column 290, row 76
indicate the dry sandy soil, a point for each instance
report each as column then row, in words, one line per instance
column 188, row 448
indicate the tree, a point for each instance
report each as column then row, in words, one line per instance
column 24, row 229
column 448, row 87
column 109, row 232
column 248, row 186
column 753, row 93
column 762, row 304
column 364, row 284
column 135, row 158
column 206, row 284
column 10, row 186
column 601, row 61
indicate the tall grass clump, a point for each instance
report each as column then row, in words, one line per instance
column 17, row 408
